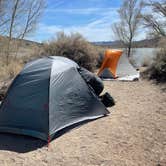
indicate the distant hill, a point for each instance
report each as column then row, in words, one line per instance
column 24, row 41
column 149, row 43
column 26, row 47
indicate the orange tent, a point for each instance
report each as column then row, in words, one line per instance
column 109, row 65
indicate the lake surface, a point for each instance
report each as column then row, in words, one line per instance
column 139, row 55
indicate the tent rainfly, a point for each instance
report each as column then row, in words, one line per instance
column 109, row 65
column 116, row 65
column 48, row 95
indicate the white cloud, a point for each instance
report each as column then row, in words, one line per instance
column 99, row 11
column 56, row 4
column 96, row 30
column 90, row 32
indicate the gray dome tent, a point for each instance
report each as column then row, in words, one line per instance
column 48, row 95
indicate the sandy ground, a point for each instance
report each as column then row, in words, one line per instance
column 133, row 134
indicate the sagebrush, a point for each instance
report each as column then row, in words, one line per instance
column 74, row 47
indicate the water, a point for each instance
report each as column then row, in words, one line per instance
column 139, row 55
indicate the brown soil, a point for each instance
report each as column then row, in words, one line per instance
column 133, row 134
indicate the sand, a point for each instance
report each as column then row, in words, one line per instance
column 133, row 134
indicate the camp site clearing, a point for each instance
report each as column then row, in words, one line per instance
column 133, row 134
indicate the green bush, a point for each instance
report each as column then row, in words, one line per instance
column 74, row 47
column 157, row 70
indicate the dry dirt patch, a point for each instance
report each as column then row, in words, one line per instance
column 133, row 134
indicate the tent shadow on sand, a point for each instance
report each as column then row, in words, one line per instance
column 23, row 143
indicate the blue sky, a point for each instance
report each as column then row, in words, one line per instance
column 91, row 18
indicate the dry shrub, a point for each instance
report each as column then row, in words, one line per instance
column 162, row 42
column 157, row 70
column 146, row 62
column 100, row 55
column 74, row 47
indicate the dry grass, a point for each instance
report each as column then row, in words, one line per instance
column 11, row 70
column 20, row 53
column 8, row 72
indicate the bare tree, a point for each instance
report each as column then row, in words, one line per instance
column 1, row 11
column 32, row 16
column 155, row 19
column 21, row 18
column 126, row 29
column 11, row 26
column 3, row 21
